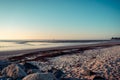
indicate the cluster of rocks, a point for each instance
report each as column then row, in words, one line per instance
column 23, row 71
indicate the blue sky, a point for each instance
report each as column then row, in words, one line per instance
column 59, row 19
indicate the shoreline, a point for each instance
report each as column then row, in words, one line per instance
column 5, row 54
column 56, row 51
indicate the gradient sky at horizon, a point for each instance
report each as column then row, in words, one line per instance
column 59, row 19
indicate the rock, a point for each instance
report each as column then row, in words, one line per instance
column 58, row 74
column 3, row 64
column 30, row 71
column 13, row 71
column 29, row 66
column 40, row 76
column 98, row 78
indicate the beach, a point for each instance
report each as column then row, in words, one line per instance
column 60, row 40
column 80, row 62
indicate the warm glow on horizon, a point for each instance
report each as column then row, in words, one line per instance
column 40, row 36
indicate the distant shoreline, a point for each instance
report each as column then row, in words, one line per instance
column 52, row 41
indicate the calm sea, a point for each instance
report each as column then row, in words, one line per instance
column 7, row 45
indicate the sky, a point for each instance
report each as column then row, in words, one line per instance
column 59, row 19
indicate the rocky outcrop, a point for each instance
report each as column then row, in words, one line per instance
column 13, row 71
column 40, row 76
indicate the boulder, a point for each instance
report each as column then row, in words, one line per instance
column 40, row 76
column 13, row 71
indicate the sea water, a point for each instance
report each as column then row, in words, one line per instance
column 18, row 45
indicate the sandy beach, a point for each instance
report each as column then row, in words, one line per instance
column 84, row 62
column 60, row 40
